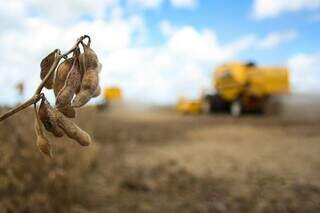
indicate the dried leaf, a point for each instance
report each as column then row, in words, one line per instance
column 45, row 66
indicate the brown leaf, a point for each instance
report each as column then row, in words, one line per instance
column 45, row 66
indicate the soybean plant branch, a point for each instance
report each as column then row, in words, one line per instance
column 38, row 95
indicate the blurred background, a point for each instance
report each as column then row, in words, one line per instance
column 166, row 65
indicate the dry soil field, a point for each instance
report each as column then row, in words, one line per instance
column 159, row 161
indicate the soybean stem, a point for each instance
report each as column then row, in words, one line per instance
column 32, row 100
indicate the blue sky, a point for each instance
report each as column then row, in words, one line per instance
column 233, row 19
column 158, row 50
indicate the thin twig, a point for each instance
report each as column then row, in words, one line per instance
column 76, row 45
column 38, row 95
column 26, row 104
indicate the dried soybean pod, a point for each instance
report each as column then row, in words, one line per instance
column 49, row 119
column 71, row 85
column 90, row 80
column 97, row 92
column 45, row 66
column 42, row 142
column 88, row 87
column 81, row 69
column 61, row 75
column 72, row 130
column 89, row 58
column 68, row 111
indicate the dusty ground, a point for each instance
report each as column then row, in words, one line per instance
column 159, row 161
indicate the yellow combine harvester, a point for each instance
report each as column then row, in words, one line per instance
column 189, row 106
column 244, row 88
column 111, row 95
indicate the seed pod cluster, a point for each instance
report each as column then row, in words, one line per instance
column 74, row 82
column 59, row 125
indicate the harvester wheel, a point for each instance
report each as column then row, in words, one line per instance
column 236, row 108
column 215, row 103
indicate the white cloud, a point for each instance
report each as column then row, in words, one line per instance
column 305, row 72
column 154, row 4
column 60, row 11
column 145, row 4
column 11, row 12
column 166, row 28
column 270, row 41
column 274, row 39
column 269, row 8
column 156, row 75
column 242, row 44
column 184, row 3
column 192, row 44
column 70, row 10
column 182, row 65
